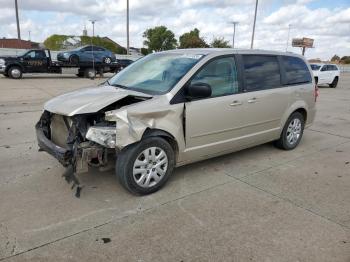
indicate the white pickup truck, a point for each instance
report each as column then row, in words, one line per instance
column 326, row 74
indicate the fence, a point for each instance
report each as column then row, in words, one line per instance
column 344, row 68
column 13, row 51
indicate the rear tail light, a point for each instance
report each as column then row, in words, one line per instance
column 316, row 92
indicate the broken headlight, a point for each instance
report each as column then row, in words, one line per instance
column 103, row 135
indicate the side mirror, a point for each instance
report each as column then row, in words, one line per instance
column 198, row 90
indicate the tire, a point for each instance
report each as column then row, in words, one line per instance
column 334, row 83
column 80, row 74
column 107, row 60
column 134, row 156
column 15, row 72
column 288, row 139
column 316, row 80
column 90, row 73
column 74, row 59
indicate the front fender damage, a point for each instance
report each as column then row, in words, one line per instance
column 131, row 124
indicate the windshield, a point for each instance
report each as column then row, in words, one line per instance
column 156, row 73
column 315, row 67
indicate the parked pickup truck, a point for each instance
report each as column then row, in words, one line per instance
column 39, row 61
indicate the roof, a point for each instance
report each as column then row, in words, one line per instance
column 207, row 51
column 17, row 43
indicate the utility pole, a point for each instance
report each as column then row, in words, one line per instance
column 289, row 26
column 256, row 9
column 17, row 19
column 127, row 27
column 29, row 35
column 92, row 44
column 234, row 32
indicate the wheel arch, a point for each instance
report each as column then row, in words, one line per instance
column 150, row 132
column 300, row 107
column 12, row 65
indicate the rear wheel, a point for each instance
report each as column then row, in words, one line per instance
column 316, row 80
column 144, row 167
column 334, row 83
column 292, row 132
column 74, row 59
column 90, row 73
column 15, row 72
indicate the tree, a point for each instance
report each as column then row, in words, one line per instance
column 192, row 40
column 220, row 42
column 345, row 60
column 335, row 58
column 56, row 42
column 159, row 38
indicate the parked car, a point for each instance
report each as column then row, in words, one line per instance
column 87, row 54
column 122, row 63
column 177, row 107
column 326, row 74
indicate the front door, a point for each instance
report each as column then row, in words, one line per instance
column 212, row 124
column 35, row 61
column 325, row 75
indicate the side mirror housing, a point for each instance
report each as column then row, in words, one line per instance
column 198, row 90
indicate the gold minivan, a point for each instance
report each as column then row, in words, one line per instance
column 176, row 107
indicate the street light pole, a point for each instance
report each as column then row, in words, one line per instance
column 17, row 19
column 256, row 9
column 234, row 32
column 289, row 26
column 29, row 35
column 127, row 27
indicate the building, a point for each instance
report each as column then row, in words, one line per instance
column 17, row 43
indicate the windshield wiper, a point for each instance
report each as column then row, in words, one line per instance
column 120, row 86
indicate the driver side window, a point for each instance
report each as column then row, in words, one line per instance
column 30, row 54
column 221, row 75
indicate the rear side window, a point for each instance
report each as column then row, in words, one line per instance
column 87, row 49
column 332, row 68
column 261, row 72
column 297, row 71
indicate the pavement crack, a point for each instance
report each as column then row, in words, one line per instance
column 291, row 202
column 129, row 214
column 328, row 133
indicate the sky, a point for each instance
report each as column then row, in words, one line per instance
column 327, row 21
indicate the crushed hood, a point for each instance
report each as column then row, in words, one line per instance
column 88, row 100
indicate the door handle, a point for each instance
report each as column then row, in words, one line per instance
column 253, row 100
column 236, row 103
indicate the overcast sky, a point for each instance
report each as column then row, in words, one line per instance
column 327, row 21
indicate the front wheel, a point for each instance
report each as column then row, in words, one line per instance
column 144, row 167
column 74, row 59
column 292, row 132
column 107, row 60
column 15, row 72
column 334, row 83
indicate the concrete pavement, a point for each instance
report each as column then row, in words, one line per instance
column 260, row 204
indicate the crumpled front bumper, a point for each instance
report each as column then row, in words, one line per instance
column 63, row 155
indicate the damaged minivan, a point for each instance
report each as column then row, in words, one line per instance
column 176, row 107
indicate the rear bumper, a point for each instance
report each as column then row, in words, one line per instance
column 63, row 155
